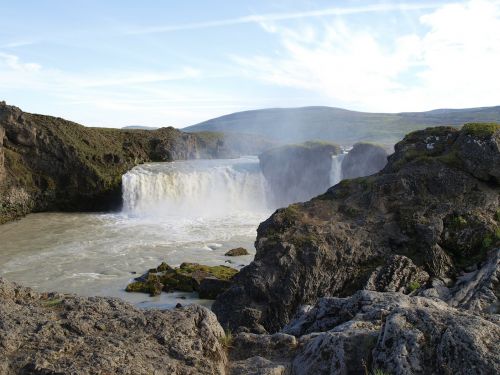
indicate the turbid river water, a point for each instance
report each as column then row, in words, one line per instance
column 189, row 211
column 186, row 211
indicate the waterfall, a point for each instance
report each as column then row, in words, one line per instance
column 336, row 171
column 194, row 188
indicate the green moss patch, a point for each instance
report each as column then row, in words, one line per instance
column 186, row 278
column 481, row 130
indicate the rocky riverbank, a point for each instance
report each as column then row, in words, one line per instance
column 50, row 164
column 395, row 273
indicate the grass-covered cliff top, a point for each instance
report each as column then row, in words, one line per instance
column 51, row 163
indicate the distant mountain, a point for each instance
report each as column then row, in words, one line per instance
column 140, row 127
column 339, row 125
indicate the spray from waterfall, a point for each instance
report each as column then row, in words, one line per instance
column 195, row 188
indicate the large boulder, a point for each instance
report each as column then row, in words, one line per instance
column 44, row 333
column 364, row 159
column 296, row 173
column 393, row 333
column 435, row 203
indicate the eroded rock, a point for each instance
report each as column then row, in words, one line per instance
column 62, row 334
column 394, row 333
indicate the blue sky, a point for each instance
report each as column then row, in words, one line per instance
column 159, row 63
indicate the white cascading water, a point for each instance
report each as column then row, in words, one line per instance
column 336, row 171
column 197, row 188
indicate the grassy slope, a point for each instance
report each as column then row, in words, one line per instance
column 342, row 126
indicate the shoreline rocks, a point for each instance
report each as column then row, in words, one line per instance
column 50, row 333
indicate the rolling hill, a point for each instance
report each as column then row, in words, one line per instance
column 339, row 125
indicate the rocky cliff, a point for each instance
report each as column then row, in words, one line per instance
column 296, row 173
column 47, row 163
column 363, row 159
column 430, row 215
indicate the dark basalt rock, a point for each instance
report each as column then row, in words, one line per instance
column 363, row 160
column 211, row 287
column 47, row 163
column 435, row 203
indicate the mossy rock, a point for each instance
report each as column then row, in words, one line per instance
column 186, row 278
column 152, row 285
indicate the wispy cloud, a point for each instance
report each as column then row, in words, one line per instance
column 12, row 62
column 270, row 17
column 452, row 61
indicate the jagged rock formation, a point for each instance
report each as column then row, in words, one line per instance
column 48, row 163
column 363, row 160
column 296, row 173
column 435, row 203
column 61, row 334
column 394, row 333
column 369, row 331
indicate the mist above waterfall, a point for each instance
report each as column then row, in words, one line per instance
column 197, row 188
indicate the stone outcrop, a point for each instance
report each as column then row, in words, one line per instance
column 47, row 163
column 476, row 289
column 388, row 332
column 394, row 333
column 399, row 274
column 63, row 334
column 363, row 159
column 436, row 203
column 296, row 173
